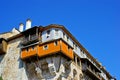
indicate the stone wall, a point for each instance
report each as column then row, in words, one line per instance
column 11, row 66
column 54, row 67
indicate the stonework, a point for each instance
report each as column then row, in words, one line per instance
column 52, row 68
column 11, row 61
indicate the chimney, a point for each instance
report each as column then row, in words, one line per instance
column 28, row 24
column 21, row 27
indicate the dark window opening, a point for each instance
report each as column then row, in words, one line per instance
column 33, row 47
column 74, row 58
column 68, row 48
column 78, row 61
column 48, row 34
column 45, row 47
column 74, row 73
column 67, row 38
column 56, row 43
column 63, row 35
column 56, row 31
column 27, row 49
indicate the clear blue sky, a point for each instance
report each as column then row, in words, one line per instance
column 95, row 23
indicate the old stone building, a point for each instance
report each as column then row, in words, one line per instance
column 46, row 53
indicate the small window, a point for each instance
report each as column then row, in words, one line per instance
column 74, row 72
column 56, row 31
column 74, row 58
column 45, row 47
column 56, row 43
column 27, row 49
column 78, row 61
column 48, row 34
column 68, row 48
column 63, row 35
column 33, row 47
column 67, row 38
column 75, row 47
column 81, row 50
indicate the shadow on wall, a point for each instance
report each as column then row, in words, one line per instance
column 20, row 63
column 1, row 57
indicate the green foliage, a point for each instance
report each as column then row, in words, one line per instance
column 1, row 78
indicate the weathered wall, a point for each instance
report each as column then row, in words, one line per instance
column 54, row 67
column 11, row 66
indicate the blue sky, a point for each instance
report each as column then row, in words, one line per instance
column 95, row 23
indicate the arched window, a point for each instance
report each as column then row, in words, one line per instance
column 74, row 72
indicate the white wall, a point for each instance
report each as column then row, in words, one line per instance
column 103, row 75
column 53, row 36
column 44, row 35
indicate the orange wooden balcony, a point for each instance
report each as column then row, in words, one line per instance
column 48, row 48
column 29, row 52
column 55, row 47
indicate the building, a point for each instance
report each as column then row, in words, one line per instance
column 46, row 53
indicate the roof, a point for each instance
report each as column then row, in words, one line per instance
column 1, row 39
column 28, row 30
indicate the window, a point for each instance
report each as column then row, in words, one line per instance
column 74, row 58
column 75, row 47
column 74, row 72
column 33, row 47
column 56, row 43
column 44, row 67
column 27, row 49
column 81, row 50
column 48, row 34
column 45, row 47
column 56, row 31
column 78, row 61
column 67, row 38
column 68, row 48
column 63, row 35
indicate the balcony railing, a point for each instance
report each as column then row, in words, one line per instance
column 30, row 39
column 88, row 70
